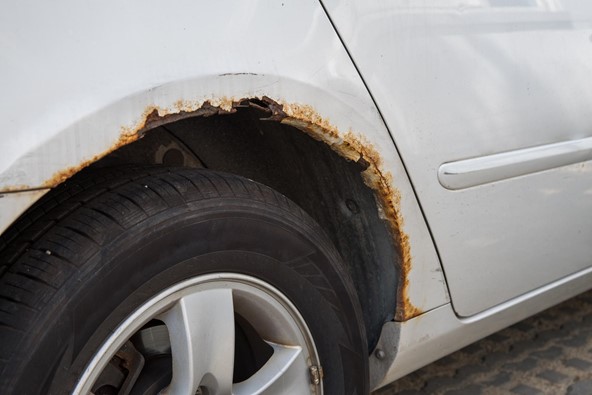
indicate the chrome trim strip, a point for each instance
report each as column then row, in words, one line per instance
column 485, row 169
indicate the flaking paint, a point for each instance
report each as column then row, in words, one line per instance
column 62, row 175
column 349, row 145
column 152, row 117
column 354, row 147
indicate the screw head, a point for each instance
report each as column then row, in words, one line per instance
column 352, row 206
column 379, row 353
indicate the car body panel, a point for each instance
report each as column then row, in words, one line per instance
column 485, row 169
column 80, row 80
column 465, row 83
column 77, row 88
column 439, row 332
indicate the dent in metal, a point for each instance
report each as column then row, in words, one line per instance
column 485, row 169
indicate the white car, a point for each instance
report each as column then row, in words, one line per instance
column 261, row 197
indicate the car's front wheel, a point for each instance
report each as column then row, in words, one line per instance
column 180, row 281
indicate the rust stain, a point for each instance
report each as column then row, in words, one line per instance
column 152, row 117
column 349, row 145
column 62, row 175
column 16, row 188
column 356, row 148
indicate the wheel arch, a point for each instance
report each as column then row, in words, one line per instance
column 377, row 271
column 70, row 115
column 349, row 127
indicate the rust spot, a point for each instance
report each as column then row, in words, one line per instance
column 348, row 145
column 353, row 147
column 62, row 175
column 16, row 188
column 152, row 117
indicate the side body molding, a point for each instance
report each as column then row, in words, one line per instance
column 471, row 172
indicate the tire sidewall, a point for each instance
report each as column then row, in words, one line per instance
column 220, row 235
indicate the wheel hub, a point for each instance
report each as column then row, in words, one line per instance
column 213, row 334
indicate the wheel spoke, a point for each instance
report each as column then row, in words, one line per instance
column 201, row 330
column 283, row 373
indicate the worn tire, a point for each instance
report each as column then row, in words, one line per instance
column 97, row 247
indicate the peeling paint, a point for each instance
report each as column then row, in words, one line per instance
column 62, row 175
column 356, row 148
column 390, row 202
column 348, row 145
column 152, row 117
column 17, row 188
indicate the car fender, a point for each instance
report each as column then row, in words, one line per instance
column 78, row 89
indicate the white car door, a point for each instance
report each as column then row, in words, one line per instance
column 489, row 103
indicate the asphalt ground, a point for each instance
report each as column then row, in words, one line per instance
column 549, row 353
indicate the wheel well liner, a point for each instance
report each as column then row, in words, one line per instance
column 335, row 177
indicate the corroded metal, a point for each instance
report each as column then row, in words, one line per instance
column 349, row 145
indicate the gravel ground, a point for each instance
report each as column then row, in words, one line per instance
column 550, row 353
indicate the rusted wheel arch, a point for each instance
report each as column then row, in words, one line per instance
column 339, row 178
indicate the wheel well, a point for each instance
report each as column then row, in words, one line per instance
column 327, row 186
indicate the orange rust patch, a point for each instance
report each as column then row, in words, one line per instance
column 152, row 117
column 16, row 188
column 353, row 147
column 64, row 174
column 128, row 135
column 349, row 146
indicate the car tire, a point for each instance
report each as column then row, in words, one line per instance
column 113, row 264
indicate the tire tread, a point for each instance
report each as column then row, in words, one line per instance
column 50, row 243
